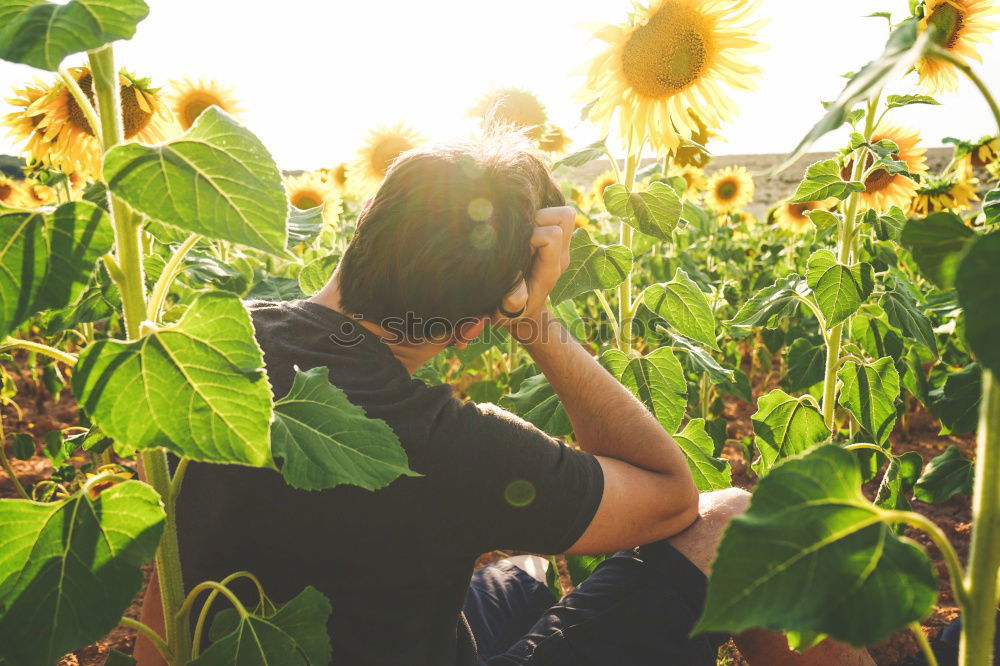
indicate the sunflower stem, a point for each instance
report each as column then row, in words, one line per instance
column 128, row 244
column 167, row 277
column 625, row 312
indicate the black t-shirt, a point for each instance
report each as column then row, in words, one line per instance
column 395, row 563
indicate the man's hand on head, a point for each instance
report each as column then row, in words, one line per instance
column 550, row 245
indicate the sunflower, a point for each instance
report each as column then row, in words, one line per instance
column 993, row 168
column 959, row 25
column 690, row 152
column 383, row 146
column 553, row 140
column 979, row 155
column 34, row 195
column 937, row 194
column 674, row 56
column 56, row 129
column 337, row 175
column 882, row 189
column 792, row 216
column 695, row 179
column 308, row 190
column 189, row 98
column 601, row 183
column 10, row 192
column 512, row 106
column 729, row 189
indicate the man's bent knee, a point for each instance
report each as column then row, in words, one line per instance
column 698, row 542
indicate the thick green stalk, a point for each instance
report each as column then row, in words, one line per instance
column 128, row 245
column 39, row 348
column 981, row 576
column 625, row 312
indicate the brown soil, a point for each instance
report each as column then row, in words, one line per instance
column 39, row 413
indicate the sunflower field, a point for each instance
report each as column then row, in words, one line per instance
column 837, row 355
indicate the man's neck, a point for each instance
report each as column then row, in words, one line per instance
column 411, row 356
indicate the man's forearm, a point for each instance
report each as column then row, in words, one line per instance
column 607, row 419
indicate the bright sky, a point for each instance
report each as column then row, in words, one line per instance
column 315, row 76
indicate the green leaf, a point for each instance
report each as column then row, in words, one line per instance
column 956, row 403
column 887, row 226
column 772, row 304
column 41, row 34
column 839, row 289
column 899, row 479
column 316, row 273
column 823, row 218
column 656, row 379
column 303, row 226
column 901, row 311
column 710, row 473
column 654, row 212
column 820, row 559
column 583, row 156
column 116, row 658
column 936, row 244
column 274, row 288
column 69, row 569
column 806, row 365
column 591, row 266
column 700, row 358
column 870, row 393
column 326, row 441
column 683, row 304
column 492, row 336
column 876, row 338
column 976, row 280
column 47, row 259
column 217, row 180
column 905, row 46
column 896, row 101
column 24, row 446
column 822, row 181
column 991, row 207
column 537, row 403
column 784, row 426
column 946, row 475
column 295, row 634
column 197, row 388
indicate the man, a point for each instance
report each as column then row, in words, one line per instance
column 456, row 237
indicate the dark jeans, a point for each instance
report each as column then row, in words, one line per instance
column 636, row 609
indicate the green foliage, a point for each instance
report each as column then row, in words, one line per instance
column 991, row 207
column 654, row 212
column 823, row 181
column 684, row 305
column 537, row 403
column 656, row 379
column 41, row 34
column 583, row 156
column 870, row 392
column 806, row 365
column 46, row 259
column 956, row 403
column 316, row 273
column 197, row 388
column 591, row 266
column 772, row 304
column 217, row 166
column 839, row 289
column 295, row 634
column 821, row 559
column 710, row 472
column 902, row 312
column 896, row 101
column 946, row 475
column 981, row 267
column 936, row 244
column 900, row 477
column 325, row 441
column 784, row 426
column 69, row 569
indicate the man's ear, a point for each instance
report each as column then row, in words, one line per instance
column 468, row 331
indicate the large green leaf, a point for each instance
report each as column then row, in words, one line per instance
column 217, row 180
column 771, row 304
column 69, row 569
column 956, row 403
column 823, row 181
column 870, row 392
column 700, row 358
column 839, row 289
column 936, row 244
column 654, row 212
column 198, row 387
column 683, row 304
column 991, row 207
column 784, row 426
column 806, row 365
column 657, row 379
column 591, row 266
column 584, row 155
column 316, row 273
column 976, row 280
column 902, row 312
column 537, row 403
column 710, row 473
column 946, row 475
column 294, row 635
column 812, row 554
column 47, row 259
column 326, row 441
column 875, row 337
column 905, row 46
column 41, row 34
column 900, row 477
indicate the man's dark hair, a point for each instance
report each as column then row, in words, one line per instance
column 447, row 235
